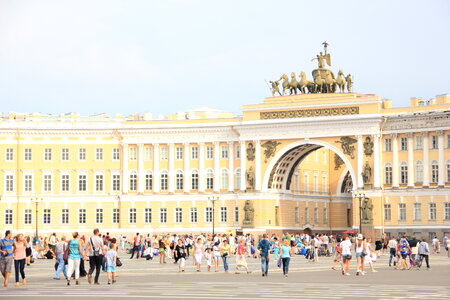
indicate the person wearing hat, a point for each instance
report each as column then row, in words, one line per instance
column 360, row 253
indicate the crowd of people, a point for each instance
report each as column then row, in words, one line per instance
column 100, row 252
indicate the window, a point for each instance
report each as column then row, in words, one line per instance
column 403, row 144
column 238, row 179
column 163, row 215
column 403, row 173
column 148, row 215
column 419, row 171
column 419, row 142
column 164, row 180
column 388, row 173
column 65, row 216
column 417, row 211
column 99, row 183
column 238, row 151
column 163, row 152
column 297, row 215
column 306, row 182
column 209, row 152
column 296, row 181
column 224, row 179
column 432, row 214
column 448, row 141
column 402, row 211
column 99, row 215
column 132, row 154
column 178, row 215
column 28, row 216
column 116, row 216
column 193, row 215
column 65, row 154
column 434, row 142
column 448, row 170
column 209, row 179
column 447, row 211
column 82, row 216
column 387, row 145
column 179, row 153
column 324, row 183
column 194, row 152
column 387, row 212
column 208, row 214
column 236, row 214
column 116, row 154
column 9, row 154
column 316, row 215
column 8, row 216
column 132, row 216
column 65, row 183
column 223, row 214
column 28, row 154
column 306, row 215
column 148, row 153
column 224, row 152
column 28, row 183
column 149, row 181
column 116, row 182
column 434, row 171
column 179, row 180
column 47, row 183
column 325, row 215
column 9, row 184
column 82, row 154
column 316, row 184
column 47, row 154
column 133, row 181
column 99, row 154
column 194, row 180
column 82, row 182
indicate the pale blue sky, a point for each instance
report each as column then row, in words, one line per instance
column 173, row 55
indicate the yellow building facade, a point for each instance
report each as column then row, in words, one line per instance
column 290, row 163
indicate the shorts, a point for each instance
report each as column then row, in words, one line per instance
column 111, row 269
column 359, row 254
column 404, row 256
column 347, row 256
column 6, row 265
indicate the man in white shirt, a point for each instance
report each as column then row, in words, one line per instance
column 94, row 246
column 392, row 245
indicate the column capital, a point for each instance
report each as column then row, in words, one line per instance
column 216, row 143
column 186, row 144
column 231, row 143
column 256, row 141
column 171, row 145
column 242, row 142
column 376, row 136
column 201, row 144
column 394, row 135
column 440, row 132
column 140, row 145
column 425, row 133
column 359, row 137
column 155, row 145
column 410, row 135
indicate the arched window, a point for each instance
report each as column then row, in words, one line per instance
column 419, row 171
column 403, row 172
column 388, row 173
column 149, row 181
column 164, row 180
column 194, row 179
column 224, row 179
column 133, row 180
column 179, row 180
column 238, row 178
column 434, row 171
column 209, row 179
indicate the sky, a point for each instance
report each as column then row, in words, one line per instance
column 123, row 57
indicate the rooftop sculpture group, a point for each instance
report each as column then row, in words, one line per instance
column 324, row 79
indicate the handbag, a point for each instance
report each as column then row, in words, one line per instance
column 95, row 252
column 118, row 262
column 66, row 254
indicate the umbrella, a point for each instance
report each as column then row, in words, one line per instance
column 350, row 232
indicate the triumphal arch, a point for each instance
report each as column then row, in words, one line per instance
column 315, row 157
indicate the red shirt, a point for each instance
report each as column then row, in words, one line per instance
column 241, row 249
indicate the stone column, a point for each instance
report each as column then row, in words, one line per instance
column 125, row 169
column 395, row 170
column 187, row 173
column 201, row 166
column 257, row 165
column 216, row 167
column 141, row 175
column 426, row 162
column 156, row 168
column 231, row 166
column 243, row 167
column 360, row 162
column 441, row 162
column 410, row 161
column 376, row 161
column 171, row 168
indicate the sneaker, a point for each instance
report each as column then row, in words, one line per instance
column 263, row 274
column 55, row 278
column 89, row 278
column 109, row 282
column 114, row 281
column 68, row 282
column 347, row 274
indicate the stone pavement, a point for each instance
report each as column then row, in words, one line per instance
column 139, row 278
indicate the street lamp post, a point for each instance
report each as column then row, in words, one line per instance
column 360, row 196
column 213, row 199
column 36, row 201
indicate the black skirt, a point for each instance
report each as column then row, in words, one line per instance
column 28, row 251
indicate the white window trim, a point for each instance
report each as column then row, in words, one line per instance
column 95, row 183
column 61, row 185
column 52, row 189
column 85, row 155
column 78, row 183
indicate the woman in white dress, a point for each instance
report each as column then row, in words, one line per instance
column 370, row 253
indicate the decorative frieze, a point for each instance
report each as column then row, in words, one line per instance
column 305, row 113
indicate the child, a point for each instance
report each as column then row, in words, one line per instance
column 111, row 257
column 208, row 257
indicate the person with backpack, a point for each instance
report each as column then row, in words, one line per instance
column 404, row 250
column 95, row 249
column 264, row 248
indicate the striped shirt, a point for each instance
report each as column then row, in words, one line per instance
column 6, row 245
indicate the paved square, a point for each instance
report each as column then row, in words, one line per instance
column 139, row 278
